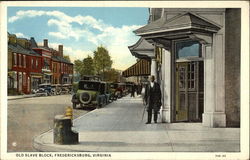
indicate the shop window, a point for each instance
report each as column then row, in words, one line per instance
column 188, row 49
column 15, row 79
column 24, row 79
column 10, row 82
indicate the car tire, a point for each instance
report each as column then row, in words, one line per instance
column 84, row 94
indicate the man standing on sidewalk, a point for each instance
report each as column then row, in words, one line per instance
column 153, row 99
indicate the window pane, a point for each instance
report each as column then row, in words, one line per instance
column 188, row 49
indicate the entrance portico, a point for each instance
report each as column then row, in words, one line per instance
column 207, row 100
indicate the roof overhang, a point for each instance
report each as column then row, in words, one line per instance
column 142, row 49
column 187, row 25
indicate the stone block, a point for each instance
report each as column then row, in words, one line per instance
column 62, row 131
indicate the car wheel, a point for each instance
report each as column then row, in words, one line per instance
column 85, row 98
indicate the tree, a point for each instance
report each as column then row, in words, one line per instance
column 85, row 66
column 102, row 60
column 112, row 75
column 67, row 58
column 88, row 66
column 78, row 66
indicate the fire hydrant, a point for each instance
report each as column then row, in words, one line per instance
column 69, row 112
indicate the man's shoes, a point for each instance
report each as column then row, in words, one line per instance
column 148, row 123
column 155, row 121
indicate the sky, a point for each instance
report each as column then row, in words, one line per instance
column 81, row 29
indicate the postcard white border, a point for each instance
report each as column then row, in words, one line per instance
column 244, row 131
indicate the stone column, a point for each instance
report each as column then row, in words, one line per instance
column 214, row 84
column 166, row 86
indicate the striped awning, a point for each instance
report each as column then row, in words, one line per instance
column 140, row 68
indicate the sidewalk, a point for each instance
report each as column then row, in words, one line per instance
column 118, row 127
column 21, row 96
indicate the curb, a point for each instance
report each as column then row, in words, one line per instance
column 40, row 146
column 23, row 97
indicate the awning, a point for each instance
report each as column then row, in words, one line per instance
column 180, row 26
column 140, row 68
column 36, row 77
column 142, row 49
column 48, row 74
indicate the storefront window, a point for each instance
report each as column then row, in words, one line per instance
column 24, row 79
column 15, row 79
column 188, row 49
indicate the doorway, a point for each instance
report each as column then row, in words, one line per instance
column 189, row 89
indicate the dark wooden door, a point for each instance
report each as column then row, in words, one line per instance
column 189, row 91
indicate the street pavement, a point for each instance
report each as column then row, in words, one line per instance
column 29, row 117
column 119, row 127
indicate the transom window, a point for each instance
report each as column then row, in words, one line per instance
column 188, row 49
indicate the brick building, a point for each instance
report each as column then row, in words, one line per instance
column 23, row 65
column 30, row 65
column 46, row 54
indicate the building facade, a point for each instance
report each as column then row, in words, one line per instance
column 30, row 65
column 197, row 63
column 23, row 64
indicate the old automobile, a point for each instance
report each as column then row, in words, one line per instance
column 44, row 90
column 113, row 88
column 66, row 89
column 90, row 93
column 56, row 89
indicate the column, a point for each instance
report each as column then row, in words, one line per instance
column 214, row 84
column 166, row 86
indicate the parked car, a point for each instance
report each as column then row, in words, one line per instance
column 44, row 90
column 113, row 88
column 56, row 89
column 66, row 88
column 90, row 93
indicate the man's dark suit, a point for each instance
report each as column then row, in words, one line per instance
column 153, row 100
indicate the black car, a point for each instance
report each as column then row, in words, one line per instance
column 44, row 90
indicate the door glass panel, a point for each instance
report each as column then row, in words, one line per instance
column 182, row 77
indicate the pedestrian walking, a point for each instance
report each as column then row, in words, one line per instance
column 153, row 99
column 132, row 91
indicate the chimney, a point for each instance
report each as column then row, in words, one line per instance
column 45, row 43
column 60, row 49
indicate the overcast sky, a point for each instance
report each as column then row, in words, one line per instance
column 81, row 29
